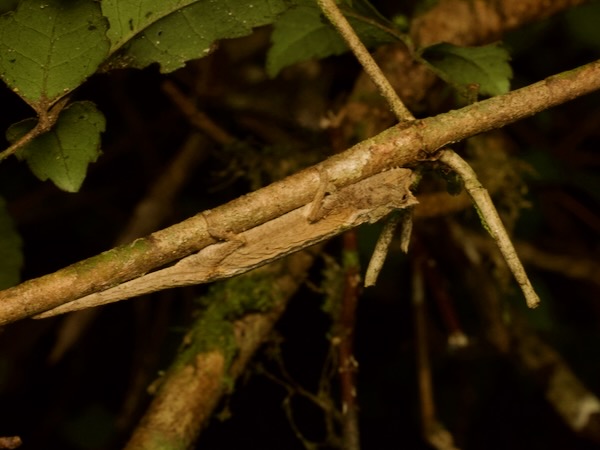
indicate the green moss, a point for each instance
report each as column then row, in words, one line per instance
column 116, row 255
column 224, row 303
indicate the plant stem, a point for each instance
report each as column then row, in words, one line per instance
column 491, row 222
column 333, row 13
column 381, row 249
column 46, row 120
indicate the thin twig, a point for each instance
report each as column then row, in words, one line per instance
column 331, row 10
column 491, row 222
column 406, row 226
column 479, row 195
column 46, row 120
column 381, row 249
column 197, row 118
column 482, row 200
column 22, row 141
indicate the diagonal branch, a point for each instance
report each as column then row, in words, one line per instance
column 331, row 10
column 366, row 201
column 191, row 389
column 398, row 146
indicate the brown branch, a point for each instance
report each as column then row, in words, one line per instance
column 149, row 214
column 400, row 145
column 477, row 21
column 571, row 266
column 370, row 200
column 455, row 21
column 196, row 381
column 489, row 302
column 331, row 10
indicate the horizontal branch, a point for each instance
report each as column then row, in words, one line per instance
column 399, row 146
column 191, row 389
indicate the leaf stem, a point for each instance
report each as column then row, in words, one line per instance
column 46, row 120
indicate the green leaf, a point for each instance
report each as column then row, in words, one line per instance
column 64, row 153
column 11, row 255
column 49, row 47
column 302, row 33
column 364, row 8
column 173, row 32
column 461, row 67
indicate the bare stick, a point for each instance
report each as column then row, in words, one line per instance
column 338, row 20
column 381, row 250
column 491, row 222
column 479, row 195
column 406, row 226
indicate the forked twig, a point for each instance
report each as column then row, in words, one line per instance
column 481, row 199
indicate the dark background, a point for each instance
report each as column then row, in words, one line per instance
column 80, row 401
